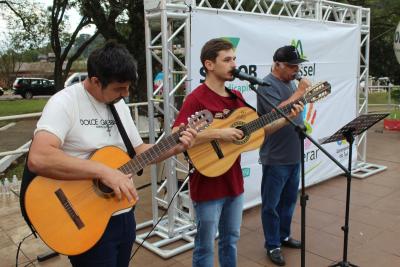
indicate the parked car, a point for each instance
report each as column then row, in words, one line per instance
column 29, row 87
column 1, row 91
column 75, row 78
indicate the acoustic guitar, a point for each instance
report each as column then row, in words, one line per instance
column 214, row 158
column 70, row 216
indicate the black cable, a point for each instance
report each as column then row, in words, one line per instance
column 16, row 260
column 14, row 192
column 146, row 185
column 149, row 184
column 159, row 220
column 29, row 263
column 143, row 186
column 140, row 245
column 19, row 247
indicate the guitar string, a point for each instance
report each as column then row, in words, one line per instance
column 167, row 143
column 278, row 116
column 142, row 159
column 125, row 167
column 274, row 116
column 270, row 117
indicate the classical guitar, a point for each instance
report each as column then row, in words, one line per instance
column 70, row 216
column 216, row 157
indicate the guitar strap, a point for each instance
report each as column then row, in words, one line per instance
column 124, row 135
column 27, row 178
column 240, row 99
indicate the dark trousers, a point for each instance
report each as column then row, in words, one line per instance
column 115, row 246
column 279, row 187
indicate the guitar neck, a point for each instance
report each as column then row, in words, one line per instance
column 142, row 160
column 270, row 117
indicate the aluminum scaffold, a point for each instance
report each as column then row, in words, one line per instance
column 167, row 33
column 167, row 37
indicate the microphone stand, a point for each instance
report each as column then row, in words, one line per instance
column 300, row 129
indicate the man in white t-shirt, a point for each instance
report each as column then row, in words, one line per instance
column 76, row 122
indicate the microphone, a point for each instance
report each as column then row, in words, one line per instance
column 298, row 76
column 250, row 78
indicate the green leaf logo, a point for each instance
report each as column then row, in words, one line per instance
column 233, row 40
column 299, row 47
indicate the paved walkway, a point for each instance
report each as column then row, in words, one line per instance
column 374, row 221
column 17, row 135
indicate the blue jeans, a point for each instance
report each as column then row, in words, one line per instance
column 279, row 187
column 224, row 214
column 114, row 247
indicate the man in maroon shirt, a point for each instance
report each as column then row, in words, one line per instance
column 218, row 201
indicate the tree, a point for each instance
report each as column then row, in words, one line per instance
column 62, row 45
column 385, row 16
column 28, row 22
column 122, row 20
column 40, row 26
column 10, row 61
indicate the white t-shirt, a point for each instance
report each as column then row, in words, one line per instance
column 80, row 122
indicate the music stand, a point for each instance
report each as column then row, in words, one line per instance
column 348, row 132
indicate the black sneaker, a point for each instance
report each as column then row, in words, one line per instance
column 291, row 243
column 275, row 255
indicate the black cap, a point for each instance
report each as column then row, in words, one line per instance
column 288, row 54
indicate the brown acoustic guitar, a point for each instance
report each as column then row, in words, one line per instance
column 214, row 158
column 70, row 216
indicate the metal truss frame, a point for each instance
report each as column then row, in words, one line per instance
column 167, row 33
column 167, row 37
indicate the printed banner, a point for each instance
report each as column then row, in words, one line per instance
column 332, row 51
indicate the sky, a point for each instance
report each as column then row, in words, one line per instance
column 74, row 19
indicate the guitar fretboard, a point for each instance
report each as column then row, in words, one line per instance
column 260, row 122
column 142, row 160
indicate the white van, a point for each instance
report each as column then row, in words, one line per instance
column 75, row 78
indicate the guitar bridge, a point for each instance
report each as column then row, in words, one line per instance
column 217, row 149
column 69, row 209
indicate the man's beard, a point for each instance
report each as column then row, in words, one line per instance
column 233, row 77
column 115, row 100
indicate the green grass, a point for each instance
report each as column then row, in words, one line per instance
column 378, row 98
column 17, row 168
column 395, row 114
column 15, row 107
column 381, row 98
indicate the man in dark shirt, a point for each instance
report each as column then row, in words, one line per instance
column 280, row 155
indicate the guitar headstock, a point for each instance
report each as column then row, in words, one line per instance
column 317, row 92
column 200, row 120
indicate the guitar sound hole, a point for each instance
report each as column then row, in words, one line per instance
column 244, row 133
column 102, row 189
column 246, row 136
